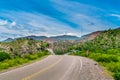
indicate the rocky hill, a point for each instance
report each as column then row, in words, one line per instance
column 90, row 36
column 106, row 40
column 23, row 46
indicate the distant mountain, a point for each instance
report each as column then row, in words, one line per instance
column 65, row 37
column 48, row 39
column 36, row 37
column 8, row 40
column 90, row 36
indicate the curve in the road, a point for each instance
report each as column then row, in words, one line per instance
column 58, row 68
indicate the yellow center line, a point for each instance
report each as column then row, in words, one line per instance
column 42, row 70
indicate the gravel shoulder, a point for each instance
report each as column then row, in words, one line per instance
column 91, row 70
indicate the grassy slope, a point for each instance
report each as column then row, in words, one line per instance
column 14, row 62
column 21, row 51
column 105, row 49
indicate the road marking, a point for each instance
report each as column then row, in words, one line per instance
column 42, row 70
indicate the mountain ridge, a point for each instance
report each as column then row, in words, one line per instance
column 53, row 39
column 47, row 39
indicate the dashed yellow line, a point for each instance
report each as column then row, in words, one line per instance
column 42, row 70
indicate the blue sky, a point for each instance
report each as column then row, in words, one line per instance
column 56, row 17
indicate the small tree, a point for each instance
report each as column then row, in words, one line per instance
column 4, row 56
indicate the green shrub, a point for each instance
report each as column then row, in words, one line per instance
column 21, row 60
column 26, row 56
column 40, row 54
column 104, row 57
column 36, row 55
column 18, row 60
column 33, row 57
column 12, row 62
column 4, row 56
column 78, row 53
column 117, row 76
column 113, row 66
column 4, row 66
column 113, row 51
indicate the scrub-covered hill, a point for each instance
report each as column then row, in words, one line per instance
column 23, row 46
column 105, row 49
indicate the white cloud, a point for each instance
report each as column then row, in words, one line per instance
column 71, row 34
column 37, row 24
column 13, row 23
column 88, row 23
column 7, row 23
column 70, row 7
column 3, row 22
column 85, row 16
column 115, row 15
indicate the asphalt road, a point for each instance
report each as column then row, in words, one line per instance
column 58, row 68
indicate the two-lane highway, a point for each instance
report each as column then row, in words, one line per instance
column 58, row 68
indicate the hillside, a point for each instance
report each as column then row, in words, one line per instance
column 8, row 40
column 65, row 37
column 105, row 40
column 21, row 51
column 62, row 38
column 62, row 47
column 64, row 42
column 36, row 37
column 105, row 49
column 90, row 36
column 109, row 39
column 48, row 39
column 22, row 46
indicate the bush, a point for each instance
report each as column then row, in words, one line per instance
column 12, row 62
column 113, row 66
column 26, row 56
column 117, row 76
column 4, row 66
column 40, row 54
column 104, row 57
column 33, row 57
column 18, row 60
column 113, row 51
column 4, row 56
column 78, row 53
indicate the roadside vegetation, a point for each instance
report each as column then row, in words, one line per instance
column 21, row 51
column 62, row 47
column 110, row 61
column 6, row 61
column 104, row 49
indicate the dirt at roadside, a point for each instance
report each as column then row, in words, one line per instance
column 92, row 71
